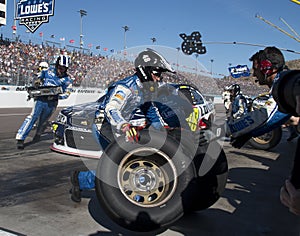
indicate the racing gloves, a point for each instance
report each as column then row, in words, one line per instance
column 131, row 133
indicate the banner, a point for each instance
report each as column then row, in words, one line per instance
column 2, row 12
column 33, row 14
column 239, row 71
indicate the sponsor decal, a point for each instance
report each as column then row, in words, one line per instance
column 85, row 91
column 241, row 124
column 239, row 71
column 79, row 129
column 33, row 13
column 115, row 116
column 54, row 127
column 120, row 95
column 193, row 119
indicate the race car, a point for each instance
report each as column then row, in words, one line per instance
column 73, row 126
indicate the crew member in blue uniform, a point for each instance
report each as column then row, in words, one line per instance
column 45, row 105
column 267, row 66
column 122, row 99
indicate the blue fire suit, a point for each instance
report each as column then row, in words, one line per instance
column 44, row 106
column 239, row 106
column 123, row 98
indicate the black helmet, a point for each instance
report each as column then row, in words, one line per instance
column 149, row 61
column 63, row 60
column 235, row 88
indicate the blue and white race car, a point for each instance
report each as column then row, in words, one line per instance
column 162, row 176
column 73, row 126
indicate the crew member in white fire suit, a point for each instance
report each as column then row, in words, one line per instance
column 45, row 105
column 267, row 65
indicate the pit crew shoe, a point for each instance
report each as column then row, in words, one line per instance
column 20, row 144
column 75, row 191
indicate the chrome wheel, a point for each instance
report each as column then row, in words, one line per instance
column 147, row 177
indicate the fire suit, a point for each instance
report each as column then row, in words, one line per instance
column 257, row 122
column 44, row 106
column 239, row 106
column 122, row 99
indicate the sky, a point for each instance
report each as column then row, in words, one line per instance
column 220, row 23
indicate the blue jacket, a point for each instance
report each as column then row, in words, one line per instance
column 49, row 78
column 239, row 106
column 123, row 98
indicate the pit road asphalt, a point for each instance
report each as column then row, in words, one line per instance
column 35, row 199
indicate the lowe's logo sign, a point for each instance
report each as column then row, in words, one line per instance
column 33, row 13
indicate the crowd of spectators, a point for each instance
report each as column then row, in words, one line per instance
column 247, row 84
column 19, row 63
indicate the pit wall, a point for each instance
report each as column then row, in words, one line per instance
column 16, row 97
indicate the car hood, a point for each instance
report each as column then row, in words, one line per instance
column 82, row 114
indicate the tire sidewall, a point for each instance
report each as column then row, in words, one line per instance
column 126, row 213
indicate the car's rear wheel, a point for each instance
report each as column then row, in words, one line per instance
column 267, row 140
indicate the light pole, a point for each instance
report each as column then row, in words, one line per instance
column 177, row 62
column 229, row 64
column 82, row 13
column 126, row 28
column 15, row 21
column 196, row 55
column 211, row 70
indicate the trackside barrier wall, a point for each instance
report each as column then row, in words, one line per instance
column 16, row 97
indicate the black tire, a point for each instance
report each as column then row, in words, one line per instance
column 206, row 189
column 140, row 185
column 267, row 140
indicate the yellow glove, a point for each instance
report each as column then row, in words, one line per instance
column 131, row 133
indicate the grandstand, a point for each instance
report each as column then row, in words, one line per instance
column 19, row 62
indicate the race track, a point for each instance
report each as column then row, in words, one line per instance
column 35, row 199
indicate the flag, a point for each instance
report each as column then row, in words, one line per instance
column 52, row 36
column 41, row 34
column 62, row 39
column 105, row 49
column 72, row 41
column 14, row 27
column 97, row 47
column 90, row 45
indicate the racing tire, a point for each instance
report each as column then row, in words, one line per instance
column 267, row 140
column 140, row 185
column 206, row 189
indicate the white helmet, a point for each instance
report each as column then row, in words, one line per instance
column 43, row 65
